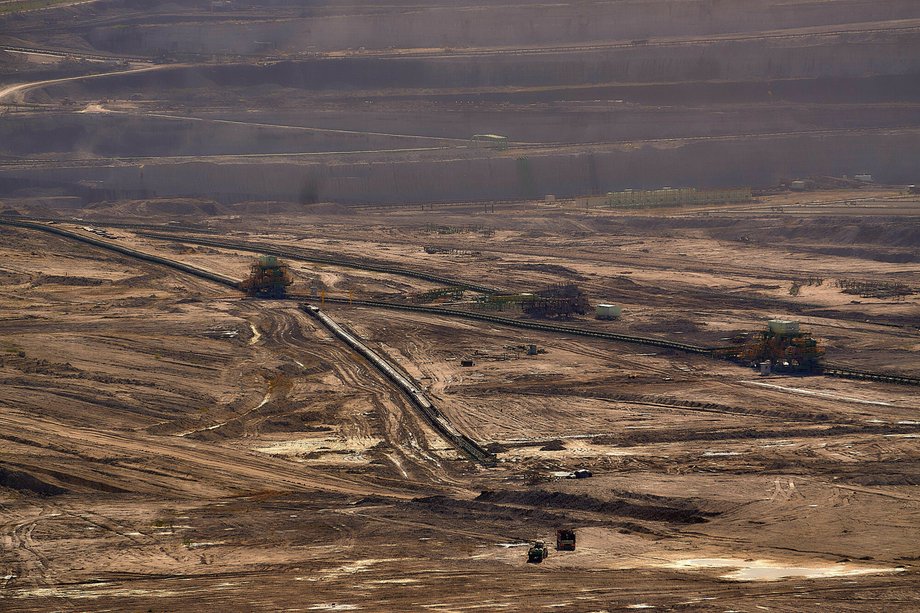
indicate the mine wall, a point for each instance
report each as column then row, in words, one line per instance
column 112, row 134
column 318, row 27
column 754, row 161
column 187, row 85
column 138, row 136
column 843, row 56
column 611, row 121
column 131, row 135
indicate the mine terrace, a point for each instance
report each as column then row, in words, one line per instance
column 459, row 305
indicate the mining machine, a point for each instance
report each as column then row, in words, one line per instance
column 269, row 277
column 782, row 345
column 557, row 301
column 537, row 552
column 565, row 539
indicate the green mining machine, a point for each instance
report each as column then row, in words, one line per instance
column 269, row 277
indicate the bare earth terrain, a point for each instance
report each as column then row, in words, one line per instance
column 168, row 444
column 166, row 441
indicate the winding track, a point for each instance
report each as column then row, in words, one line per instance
column 18, row 90
column 520, row 148
column 465, row 444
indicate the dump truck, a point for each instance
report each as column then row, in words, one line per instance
column 537, row 552
column 565, row 539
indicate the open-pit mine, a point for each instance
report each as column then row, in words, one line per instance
column 460, row 305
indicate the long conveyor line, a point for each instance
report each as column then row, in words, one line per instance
column 431, row 414
column 419, row 399
column 299, row 255
column 522, row 323
column 134, row 253
column 843, row 372
column 832, row 370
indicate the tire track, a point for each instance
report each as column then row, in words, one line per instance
column 283, row 333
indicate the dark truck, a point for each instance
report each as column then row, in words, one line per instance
column 565, row 539
column 537, row 552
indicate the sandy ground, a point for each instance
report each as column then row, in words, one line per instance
column 168, row 445
column 166, row 442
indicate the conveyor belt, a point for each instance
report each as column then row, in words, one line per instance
column 419, row 399
column 300, row 255
column 523, row 323
column 134, row 253
column 830, row 370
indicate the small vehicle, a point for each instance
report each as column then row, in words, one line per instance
column 565, row 539
column 537, row 552
column 581, row 473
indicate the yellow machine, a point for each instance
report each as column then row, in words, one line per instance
column 783, row 346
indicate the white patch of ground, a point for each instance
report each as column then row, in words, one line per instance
column 324, row 449
column 768, row 570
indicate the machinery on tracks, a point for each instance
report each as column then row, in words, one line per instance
column 553, row 302
column 557, row 302
column 269, row 277
column 520, row 323
column 782, row 347
column 732, row 352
